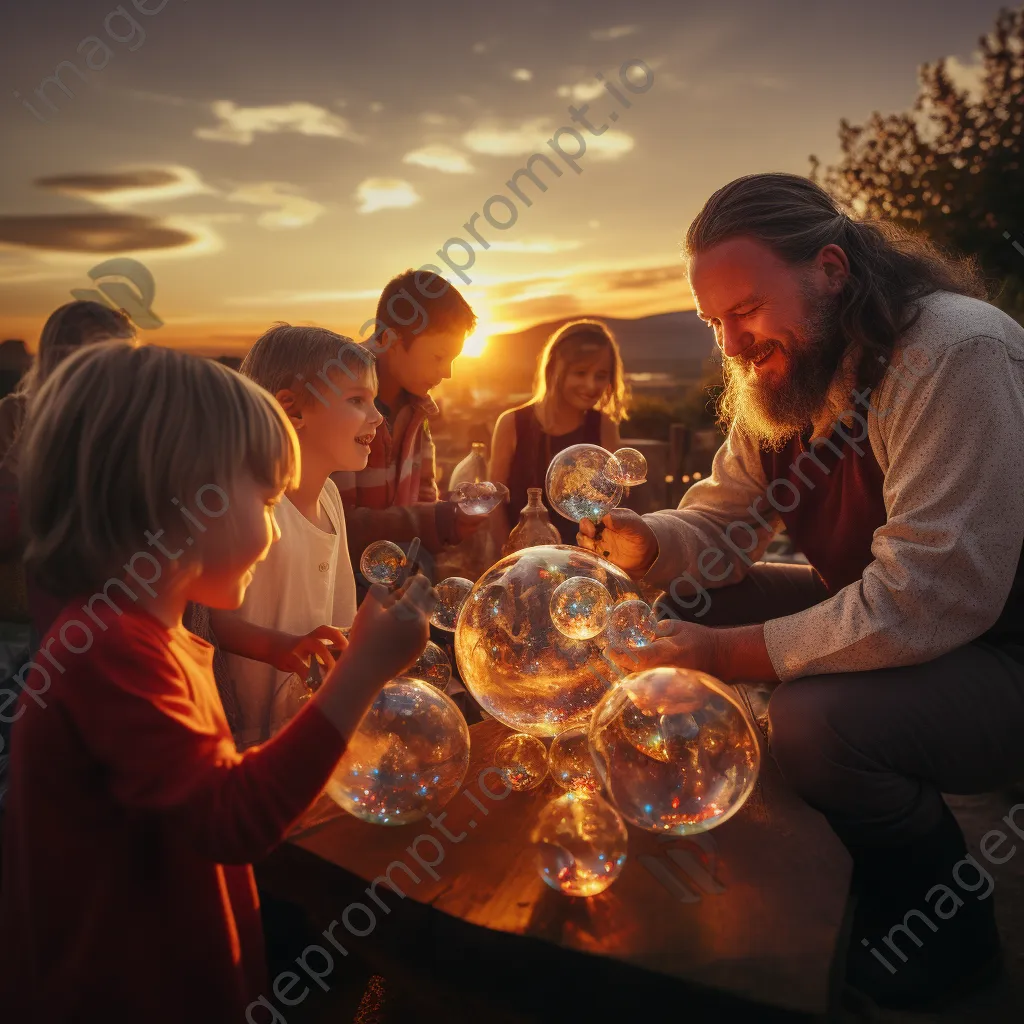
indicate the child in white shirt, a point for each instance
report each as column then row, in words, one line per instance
column 304, row 594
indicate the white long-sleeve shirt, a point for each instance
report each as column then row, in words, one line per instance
column 946, row 427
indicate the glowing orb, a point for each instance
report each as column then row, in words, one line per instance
column 579, row 607
column 407, row 759
column 522, row 761
column 631, row 624
column 630, row 469
column 382, row 562
column 675, row 750
column 580, row 844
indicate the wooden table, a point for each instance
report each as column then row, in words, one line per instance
column 744, row 919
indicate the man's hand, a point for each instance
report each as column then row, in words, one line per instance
column 682, row 644
column 291, row 653
column 625, row 540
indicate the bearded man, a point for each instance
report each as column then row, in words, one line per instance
column 875, row 408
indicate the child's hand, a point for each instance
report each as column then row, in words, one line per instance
column 391, row 630
column 293, row 653
column 466, row 525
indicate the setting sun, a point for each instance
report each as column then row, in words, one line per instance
column 477, row 341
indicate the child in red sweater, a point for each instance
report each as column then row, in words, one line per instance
column 149, row 479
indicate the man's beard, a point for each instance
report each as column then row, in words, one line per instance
column 775, row 407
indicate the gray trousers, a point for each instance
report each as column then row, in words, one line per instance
column 874, row 751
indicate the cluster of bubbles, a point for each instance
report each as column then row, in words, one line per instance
column 532, row 631
column 529, row 639
column 407, row 759
column 585, row 481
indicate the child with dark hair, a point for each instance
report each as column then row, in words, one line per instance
column 421, row 324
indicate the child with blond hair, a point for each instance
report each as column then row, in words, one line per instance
column 149, row 479
column 304, row 594
column 579, row 398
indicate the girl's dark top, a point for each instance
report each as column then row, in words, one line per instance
column 534, row 451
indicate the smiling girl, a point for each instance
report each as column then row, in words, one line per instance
column 579, row 398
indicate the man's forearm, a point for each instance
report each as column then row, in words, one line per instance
column 741, row 654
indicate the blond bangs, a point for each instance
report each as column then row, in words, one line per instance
column 574, row 342
column 120, row 441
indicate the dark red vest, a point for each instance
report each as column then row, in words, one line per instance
column 835, row 500
column 835, row 505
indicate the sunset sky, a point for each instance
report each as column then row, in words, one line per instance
column 281, row 160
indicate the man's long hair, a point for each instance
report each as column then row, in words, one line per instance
column 890, row 268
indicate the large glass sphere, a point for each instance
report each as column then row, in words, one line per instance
column 407, row 758
column 581, row 482
column 580, row 844
column 675, row 750
column 520, row 668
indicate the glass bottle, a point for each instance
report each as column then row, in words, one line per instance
column 472, row 469
column 534, row 526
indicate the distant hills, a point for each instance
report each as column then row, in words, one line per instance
column 677, row 344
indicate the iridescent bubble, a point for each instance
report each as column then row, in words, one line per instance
column 580, row 485
column 382, row 562
column 570, row 763
column 522, row 761
column 631, row 624
column 451, row 596
column 630, row 469
column 675, row 750
column 432, row 666
column 479, row 499
column 580, row 844
column 533, row 678
column 579, row 607
column 407, row 759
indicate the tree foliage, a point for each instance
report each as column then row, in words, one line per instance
column 951, row 167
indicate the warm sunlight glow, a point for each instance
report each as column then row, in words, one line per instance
column 476, row 342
